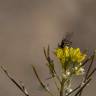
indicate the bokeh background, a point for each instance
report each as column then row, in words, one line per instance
column 26, row 26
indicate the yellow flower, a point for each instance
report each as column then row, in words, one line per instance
column 71, row 54
column 71, row 59
column 66, row 51
column 77, row 55
column 59, row 53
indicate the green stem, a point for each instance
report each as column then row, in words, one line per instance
column 62, row 87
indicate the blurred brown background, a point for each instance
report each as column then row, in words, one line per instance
column 26, row 26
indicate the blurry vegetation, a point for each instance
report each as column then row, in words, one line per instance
column 72, row 63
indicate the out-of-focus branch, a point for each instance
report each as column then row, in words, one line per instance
column 50, row 63
column 89, row 68
column 79, row 88
column 50, row 66
column 87, row 77
column 88, row 73
column 41, row 83
column 74, row 90
column 22, row 88
column 94, row 70
column 83, row 86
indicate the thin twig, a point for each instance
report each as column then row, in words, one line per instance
column 86, row 61
column 85, row 84
column 41, row 83
column 50, row 64
column 88, row 74
column 89, row 68
column 13, row 80
column 94, row 70
column 80, row 84
column 74, row 90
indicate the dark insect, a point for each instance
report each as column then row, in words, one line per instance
column 66, row 41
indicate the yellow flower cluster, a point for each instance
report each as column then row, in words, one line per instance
column 71, row 59
column 69, row 53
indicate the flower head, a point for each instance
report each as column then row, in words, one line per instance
column 70, row 57
column 72, row 54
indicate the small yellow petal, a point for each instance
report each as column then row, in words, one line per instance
column 66, row 51
column 59, row 52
